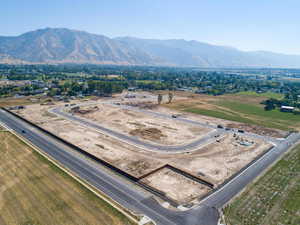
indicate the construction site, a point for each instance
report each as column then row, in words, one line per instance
column 163, row 149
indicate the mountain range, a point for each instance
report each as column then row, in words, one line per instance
column 61, row 45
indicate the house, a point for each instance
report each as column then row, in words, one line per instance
column 287, row 108
column 132, row 88
column 129, row 96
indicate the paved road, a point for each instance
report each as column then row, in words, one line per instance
column 221, row 196
column 116, row 188
column 209, row 137
column 193, row 122
column 128, row 195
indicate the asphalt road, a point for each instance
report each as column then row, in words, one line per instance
column 222, row 195
column 209, row 137
column 131, row 197
column 112, row 185
column 193, row 122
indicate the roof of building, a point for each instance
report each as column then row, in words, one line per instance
column 287, row 107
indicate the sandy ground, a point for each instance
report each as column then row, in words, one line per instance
column 215, row 162
column 170, row 182
column 146, row 127
column 222, row 159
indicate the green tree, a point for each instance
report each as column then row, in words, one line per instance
column 170, row 96
column 159, row 98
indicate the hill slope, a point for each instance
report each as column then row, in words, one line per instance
column 60, row 45
column 194, row 53
column 64, row 45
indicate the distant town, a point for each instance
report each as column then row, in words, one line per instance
column 64, row 82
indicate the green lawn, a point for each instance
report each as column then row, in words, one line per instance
column 274, row 199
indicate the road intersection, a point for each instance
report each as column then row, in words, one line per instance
column 129, row 196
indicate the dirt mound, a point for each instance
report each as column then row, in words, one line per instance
column 142, row 105
column 258, row 130
column 78, row 110
column 148, row 133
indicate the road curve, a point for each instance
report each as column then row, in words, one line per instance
column 209, row 137
column 205, row 213
column 112, row 185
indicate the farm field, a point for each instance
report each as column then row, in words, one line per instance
column 7, row 102
column 33, row 191
column 244, row 107
column 273, row 199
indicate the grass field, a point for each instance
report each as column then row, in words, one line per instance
column 265, row 94
column 274, row 199
column 35, row 192
column 244, row 107
column 257, row 115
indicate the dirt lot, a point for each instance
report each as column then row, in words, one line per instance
column 146, row 127
column 215, row 162
column 170, row 182
column 33, row 191
column 220, row 160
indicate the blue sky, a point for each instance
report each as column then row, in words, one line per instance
column 272, row 25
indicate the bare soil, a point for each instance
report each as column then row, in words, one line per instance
column 171, row 182
column 215, row 162
column 144, row 126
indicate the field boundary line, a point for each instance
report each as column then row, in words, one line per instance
column 84, row 183
column 268, row 168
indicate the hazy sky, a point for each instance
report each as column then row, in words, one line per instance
column 272, row 25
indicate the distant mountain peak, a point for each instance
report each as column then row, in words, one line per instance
column 63, row 45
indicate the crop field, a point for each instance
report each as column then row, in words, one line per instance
column 33, row 191
column 273, row 199
column 244, row 107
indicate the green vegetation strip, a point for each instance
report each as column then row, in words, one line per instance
column 265, row 94
column 273, row 199
column 219, row 114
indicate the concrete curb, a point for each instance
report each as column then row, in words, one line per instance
column 85, row 184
